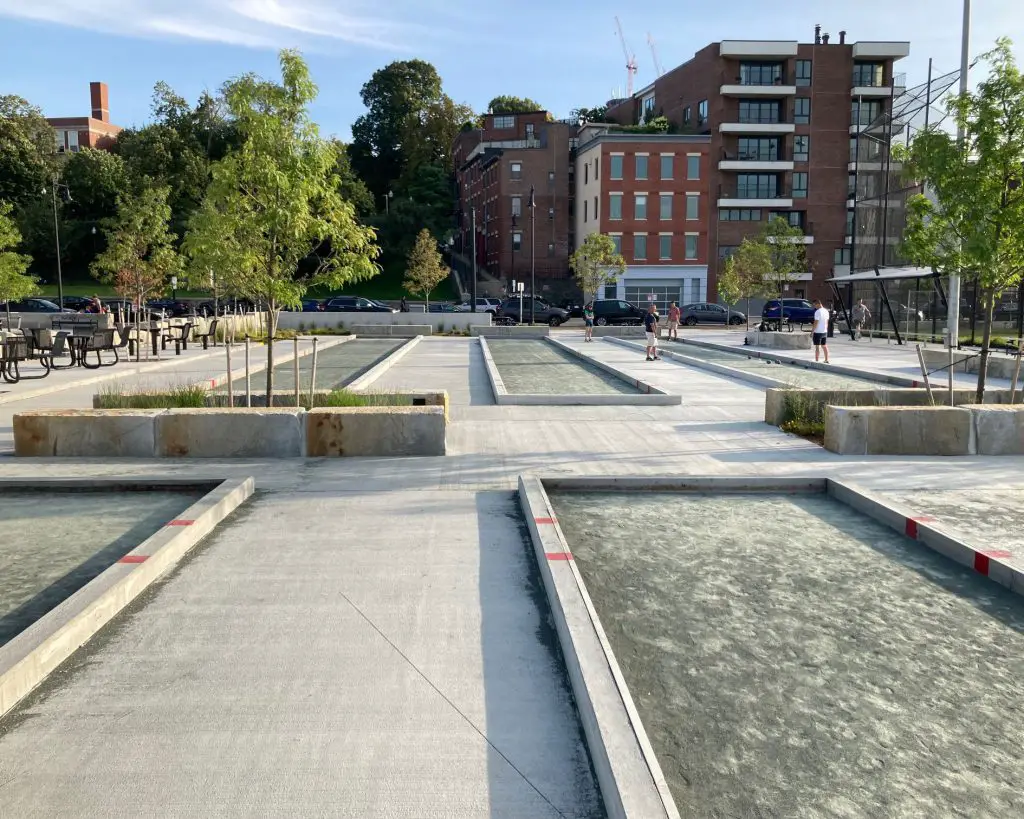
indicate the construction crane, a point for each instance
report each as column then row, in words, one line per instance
column 654, row 54
column 630, row 59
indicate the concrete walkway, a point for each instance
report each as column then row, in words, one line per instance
column 367, row 637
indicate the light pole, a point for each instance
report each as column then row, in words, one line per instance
column 533, row 259
column 54, row 188
column 953, row 306
column 387, row 199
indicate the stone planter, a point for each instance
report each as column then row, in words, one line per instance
column 779, row 341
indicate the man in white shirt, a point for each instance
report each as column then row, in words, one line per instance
column 820, row 330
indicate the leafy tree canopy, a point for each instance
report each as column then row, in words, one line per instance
column 15, row 283
column 425, row 269
column 585, row 115
column 595, row 263
column 28, row 161
column 506, row 104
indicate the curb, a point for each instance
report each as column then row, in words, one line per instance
column 701, row 364
column 497, row 385
column 381, row 367
column 37, row 651
column 631, row 781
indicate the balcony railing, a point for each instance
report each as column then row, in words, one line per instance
column 756, row 155
column 760, row 118
column 761, row 81
column 753, row 192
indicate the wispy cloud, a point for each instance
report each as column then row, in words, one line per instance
column 391, row 26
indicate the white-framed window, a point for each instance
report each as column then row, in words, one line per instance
column 529, row 130
column 641, row 166
column 517, row 206
column 517, row 240
column 615, row 206
column 617, row 241
column 73, row 141
column 665, row 206
column 665, row 246
column 692, row 167
column 667, row 165
column 640, row 246
column 616, row 169
column 640, row 206
column 691, row 246
column 504, row 122
column 517, row 170
column 692, row 206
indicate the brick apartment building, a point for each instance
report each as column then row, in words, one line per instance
column 651, row 194
column 495, row 168
column 94, row 131
column 783, row 119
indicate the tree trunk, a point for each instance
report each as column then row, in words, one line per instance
column 271, row 332
column 990, row 304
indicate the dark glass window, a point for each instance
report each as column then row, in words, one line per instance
column 801, row 148
column 758, row 111
column 702, row 112
column 871, row 75
column 803, row 73
column 758, row 148
column 757, row 186
column 800, row 186
column 802, row 110
column 865, row 112
column 760, row 74
column 739, row 215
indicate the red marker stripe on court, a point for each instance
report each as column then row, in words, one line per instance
column 911, row 528
column 544, row 521
column 181, row 523
column 558, row 555
column 133, row 559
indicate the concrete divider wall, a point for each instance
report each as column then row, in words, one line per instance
column 620, row 331
column 999, row 365
column 780, row 341
column 998, row 430
column 345, row 321
column 517, row 331
column 268, row 432
column 375, row 431
column 85, row 433
column 899, row 431
column 391, row 330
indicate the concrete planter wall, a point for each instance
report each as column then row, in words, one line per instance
column 620, row 331
column 780, row 341
column 518, row 331
column 899, row 431
column 346, row 321
column 233, row 433
column 999, row 366
column 998, row 430
column 391, row 330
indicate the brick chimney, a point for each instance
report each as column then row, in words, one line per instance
column 100, row 108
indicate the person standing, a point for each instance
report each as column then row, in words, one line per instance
column 588, row 322
column 861, row 316
column 404, row 306
column 651, row 328
column 820, row 330
column 673, row 322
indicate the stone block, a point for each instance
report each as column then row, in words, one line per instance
column 779, row 341
column 517, row 331
column 375, row 431
column 998, row 429
column 899, row 431
column 620, row 331
column 85, row 433
column 230, row 433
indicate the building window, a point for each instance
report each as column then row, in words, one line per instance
column 842, row 256
column 615, row 206
column 725, row 251
column 695, row 294
column 517, row 170
column 871, row 75
column 586, row 173
column 693, row 167
column 73, row 141
column 665, row 247
column 702, row 112
column 667, row 162
column 529, row 130
column 640, row 206
column 793, row 218
column 641, row 166
column 739, row 215
column 849, row 223
column 551, row 177
column 504, row 122
column 585, row 203
column 686, row 115
column 801, row 148
column 517, row 206
column 865, row 112
column 595, row 208
column 617, row 242
column 758, row 149
column 691, row 246
column 758, row 111
column 800, row 186
column 648, row 108
column 802, row 110
column 760, row 74
column 692, row 206
column 551, row 213
column 517, row 240
column 597, row 168
column 639, row 246
column 665, row 206
column 757, row 186
column 616, row 169
column 803, row 73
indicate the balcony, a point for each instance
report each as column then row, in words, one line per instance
column 759, row 49
column 757, row 124
column 754, row 196
column 757, row 160
column 746, row 87
column 881, row 50
column 865, row 85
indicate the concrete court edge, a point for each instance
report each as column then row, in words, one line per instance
column 631, row 781
column 385, row 364
column 644, row 387
column 40, row 649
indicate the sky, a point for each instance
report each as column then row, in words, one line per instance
column 564, row 54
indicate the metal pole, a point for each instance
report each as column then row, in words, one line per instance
column 248, row 386
column 533, row 258
column 473, row 228
column 295, row 368
column 231, row 389
column 312, row 376
column 953, row 315
column 924, row 372
column 56, row 235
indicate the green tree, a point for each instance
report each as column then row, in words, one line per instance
column 744, row 272
column 15, row 283
column 351, row 187
column 974, row 223
column 273, row 222
column 595, row 263
column 585, row 115
column 431, row 133
column 28, row 161
column 774, row 258
column 505, row 104
column 425, row 269
column 730, row 285
column 140, row 256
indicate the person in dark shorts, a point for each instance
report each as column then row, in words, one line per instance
column 651, row 329
column 588, row 322
column 820, row 330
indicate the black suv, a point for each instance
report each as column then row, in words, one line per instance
column 616, row 311
column 355, row 304
column 543, row 312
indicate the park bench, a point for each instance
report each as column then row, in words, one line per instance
column 179, row 335
column 15, row 350
column 99, row 342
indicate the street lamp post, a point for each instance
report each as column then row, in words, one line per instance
column 953, row 305
column 533, row 258
column 387, row 199
column 55, row 187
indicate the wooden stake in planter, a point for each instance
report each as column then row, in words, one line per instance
column 248, row 386
column 231, row 389
column 312, row 377
column 295, row 366
column 924, row 372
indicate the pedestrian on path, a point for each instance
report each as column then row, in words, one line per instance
column 651, row 328
column 404, row 306
column 588, row 322
column 820, row 330
column 861, row 316
column 673, row 322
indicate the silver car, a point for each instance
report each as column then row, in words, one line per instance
column 704, row 312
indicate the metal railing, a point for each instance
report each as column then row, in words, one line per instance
column 759, row 155
column 760, row 118
column 753, row 192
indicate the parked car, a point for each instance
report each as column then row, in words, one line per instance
column 483, row 305
column 170, row 307
column 34, row 306
column 78, row 303
column 307, row 306
column 574, row 307
column 794, row 311
column 443, row 307
column 356, row 304
column 616, row 311
column 705, row 312
column 543, row 312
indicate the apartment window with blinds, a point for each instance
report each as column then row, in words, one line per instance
column 693, row 167
column 664, row 247
column 640, row 246
column 617, row 242
column 641, row 167
column 665, row 206
column 616, row 169
column 517, row 206
column 691, row 246
column 640, row 206
column 615, row 206
column 692, row 206
column 667, row 166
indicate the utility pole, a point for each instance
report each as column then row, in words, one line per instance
column 473, row 228
column 56, row 236
column 533, row 258
column 953, row 313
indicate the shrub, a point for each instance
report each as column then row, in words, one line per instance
column 180, row 396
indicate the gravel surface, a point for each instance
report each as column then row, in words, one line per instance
column 793, row 658
column 335, row 367
column 989, row 518
column 536, row 367
column 52, row 544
